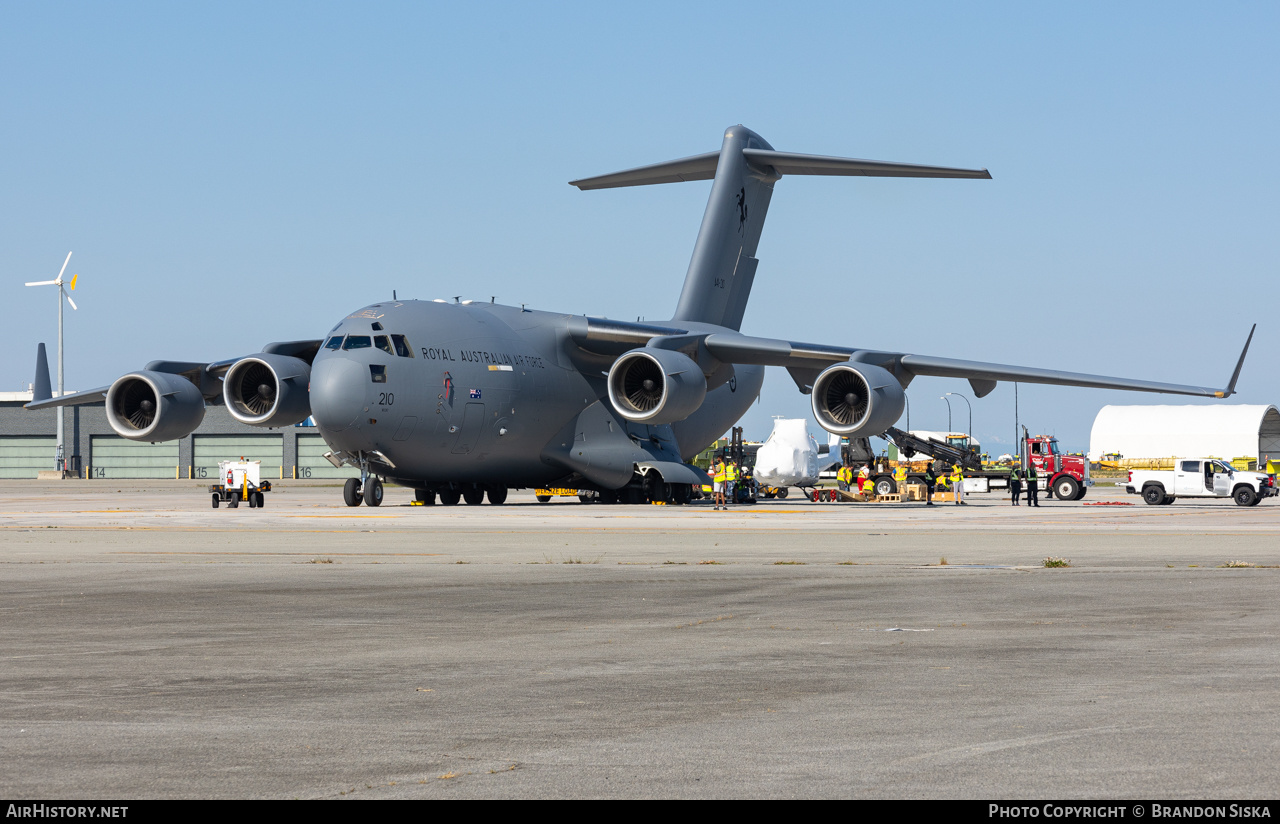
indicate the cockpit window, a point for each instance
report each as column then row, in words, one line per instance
column 357, row 342
column 335, row 342
column 382, row 343
column 402, row 346
column 377, row 327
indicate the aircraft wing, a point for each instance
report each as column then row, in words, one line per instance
column 203, row 375
column 805, row 360
column 72, row 399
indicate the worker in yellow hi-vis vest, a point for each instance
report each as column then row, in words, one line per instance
column 900, row 478
column 719, row 473
column 844, row 477
column 731, row 482
column 957, row 484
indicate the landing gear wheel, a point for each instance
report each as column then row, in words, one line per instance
column 659, row 492
column 351, row 492
column 450, row 497
column 681, row 494
column 426, row 497
column 1244, row 496
column 497, row 495
column 609, row 496
column 373, row 492
column 216, row 498
column 1153, row 495
column 886, row 486
column 474, row 496
column 542, row 499
column 257, row 496
column 1066, row 488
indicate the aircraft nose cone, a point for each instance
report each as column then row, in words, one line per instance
column 338, row 389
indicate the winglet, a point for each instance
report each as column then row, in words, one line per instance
column 40, row 388
column 1231, row 387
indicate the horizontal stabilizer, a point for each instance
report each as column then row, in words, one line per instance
column 698, row 167
column 790, row 163
column 703, row 167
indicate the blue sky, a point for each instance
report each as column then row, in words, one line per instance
column 231, row 174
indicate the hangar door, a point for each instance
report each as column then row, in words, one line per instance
column 208, row 450
column 1269, row 437
column 111, row 456
column 310, row 463
column 23, row 457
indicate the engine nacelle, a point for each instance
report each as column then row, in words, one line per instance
column 656, row 386
column 858, row 400
column 268, row 390
column 154, row 406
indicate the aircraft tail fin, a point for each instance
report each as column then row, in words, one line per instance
column 724, row 262
column 41, row 390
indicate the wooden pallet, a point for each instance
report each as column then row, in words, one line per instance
column 895, row 498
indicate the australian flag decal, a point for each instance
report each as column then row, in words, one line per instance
column 475, row 394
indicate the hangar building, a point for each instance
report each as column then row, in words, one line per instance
column 28, row 443
column 1222, row 431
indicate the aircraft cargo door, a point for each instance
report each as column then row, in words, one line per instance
column 472, row 426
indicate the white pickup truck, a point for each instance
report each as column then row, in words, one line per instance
column 1201, row 478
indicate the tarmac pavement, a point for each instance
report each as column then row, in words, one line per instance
column 155, row 647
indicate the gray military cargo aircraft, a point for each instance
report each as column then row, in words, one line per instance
column 462, row 399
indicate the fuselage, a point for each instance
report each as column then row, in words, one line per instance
column 453, row 393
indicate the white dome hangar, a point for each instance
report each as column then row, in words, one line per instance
column 1223, row 431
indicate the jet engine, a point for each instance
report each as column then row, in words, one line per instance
column 154, row 406
column 268, row 390
column 857, row 399
column 656, row 386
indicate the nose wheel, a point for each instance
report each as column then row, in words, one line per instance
column 370, row 492
column 373, row 492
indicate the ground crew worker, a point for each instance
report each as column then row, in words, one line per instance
column 1033, row 494
column 844, row 477
column 1015, row 483
column 864, row 477
column 900, row 478
column 930, row 483
column 957, row 484
column 730, row 483
column 720, row 473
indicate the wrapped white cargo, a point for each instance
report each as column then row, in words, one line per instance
column 790, row 455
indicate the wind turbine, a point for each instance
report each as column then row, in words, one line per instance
column 62, row 292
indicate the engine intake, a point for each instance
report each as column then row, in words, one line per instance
column 268, row 390
column 656, row 386
column 857, row 400
column 154, row 406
